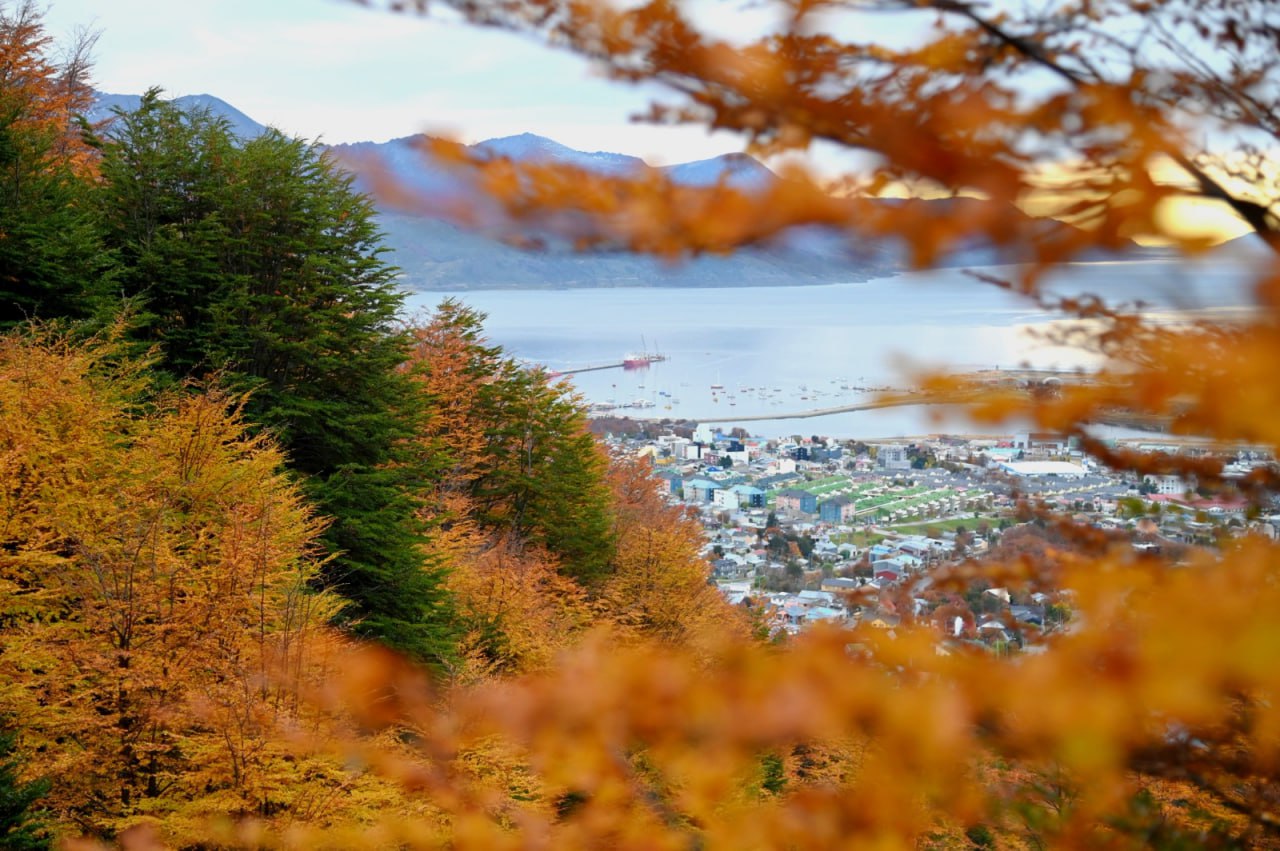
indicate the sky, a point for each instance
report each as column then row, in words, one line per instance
column 335, row 71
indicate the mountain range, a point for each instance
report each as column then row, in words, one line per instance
column 435, row 253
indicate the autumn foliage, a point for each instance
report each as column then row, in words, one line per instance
column 172, row 656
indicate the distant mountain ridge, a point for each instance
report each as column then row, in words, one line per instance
column 242, row 125
column 434, row 253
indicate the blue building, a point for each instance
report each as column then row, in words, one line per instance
column 675, row 483
column 700, row 490
column 838, row 509
column 749, row 497
column 794, row 499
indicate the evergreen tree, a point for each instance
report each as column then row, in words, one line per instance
column 161, row 171
column 258, row 259
column 21, row 826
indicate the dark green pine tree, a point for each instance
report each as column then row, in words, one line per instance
column 555, row 477
column 162, row 169
column 256, row 258
column 22, row 825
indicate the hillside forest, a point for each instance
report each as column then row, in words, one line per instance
column 281, row 567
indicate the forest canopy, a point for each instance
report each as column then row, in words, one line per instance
column 279, row 569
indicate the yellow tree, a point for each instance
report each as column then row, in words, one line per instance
column 153, row 583
column 660, row 587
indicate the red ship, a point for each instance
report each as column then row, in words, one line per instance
column 640, row 361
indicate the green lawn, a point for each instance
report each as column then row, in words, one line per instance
column 940, row 526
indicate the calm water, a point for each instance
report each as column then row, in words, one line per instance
column 785, row 349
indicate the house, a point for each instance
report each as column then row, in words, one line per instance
column 796, row 500
column 700, row 490
column 782, row 466
column 726, row 567
column 995, row 630
column 839, row 583
column 921, row 548
column 908, row 562
column 825, row 555
column 749, row 497
column 879, row 551
column 817, row 598
column 824, row 614
column 833, row 452
column 838, row 509
column 736, row 592
column 1033, row 615
column 726, row 498
column 670, row 481
column 896, row 568
column 888, row 570
column 884, row 620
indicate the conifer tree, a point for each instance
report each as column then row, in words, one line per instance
column 21, row 826
column 257, row 259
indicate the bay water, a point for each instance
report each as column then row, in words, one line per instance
column 768, row 351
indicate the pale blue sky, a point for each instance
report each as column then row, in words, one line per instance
column 333, row 70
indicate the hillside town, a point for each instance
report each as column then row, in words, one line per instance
column 814, row 530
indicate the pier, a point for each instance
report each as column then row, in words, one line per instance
column 558, row 372
column 629, row 362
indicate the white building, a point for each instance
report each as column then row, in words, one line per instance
column 891, row 456
column 1171, row 485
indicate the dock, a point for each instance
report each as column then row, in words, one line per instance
column 631, row 362
column 593, row 368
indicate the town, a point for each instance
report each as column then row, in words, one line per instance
column 812, row 530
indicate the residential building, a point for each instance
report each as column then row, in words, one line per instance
column 749, row 497
column 796, row 501
column 891, row 456
column 838, row 509
column 701, row 490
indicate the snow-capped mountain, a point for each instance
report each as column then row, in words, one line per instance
column 105, row 105
column 406, row 160
column 530, row 148
column 738, row 171
column 423, row 203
